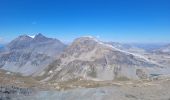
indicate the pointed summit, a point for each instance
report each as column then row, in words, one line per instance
column 40, row 38
column 39, row 35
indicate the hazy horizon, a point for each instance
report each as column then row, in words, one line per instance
column 3, row 42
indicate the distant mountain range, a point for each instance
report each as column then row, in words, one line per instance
column 86, row 58
column 163, row 50
column 1, row 47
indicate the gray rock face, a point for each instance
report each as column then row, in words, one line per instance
column 30, row 56
column 21, row 42
column 91, row 59
column 128, row 47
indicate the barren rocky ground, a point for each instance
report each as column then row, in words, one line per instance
column 20, row 88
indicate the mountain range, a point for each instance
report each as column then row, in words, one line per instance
column 163, row 50
column 86, row 58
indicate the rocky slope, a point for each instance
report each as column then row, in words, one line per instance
column 90, row 59
column 128, row 90
column 128, row 47
column 14, row 87
column 30, row 56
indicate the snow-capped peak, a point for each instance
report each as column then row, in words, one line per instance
column 32, row 36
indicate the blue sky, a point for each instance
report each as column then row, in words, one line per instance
column 141, row 21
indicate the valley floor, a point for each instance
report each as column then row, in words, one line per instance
column 20, row 88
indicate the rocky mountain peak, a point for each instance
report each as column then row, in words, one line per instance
column 23, row 38
column 28, row 55
column 82, row 44
column 89, row 58
column 39, row 37
column 85, row 39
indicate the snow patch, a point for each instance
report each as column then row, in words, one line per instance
column 50, row 71
column 32, row 36
column 8, row 73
